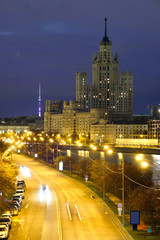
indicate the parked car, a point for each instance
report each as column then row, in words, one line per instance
column 4, row 232
column 4, row 223
column 17, row 196
column 13, row 210
column 21, row 183
column 20, row 187
column 7, row 214
column 17, row 199
column 21, row 192
column 14, row 204
column 6, row 220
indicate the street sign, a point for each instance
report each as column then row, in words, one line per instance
column 119, row 205
column 86, row 178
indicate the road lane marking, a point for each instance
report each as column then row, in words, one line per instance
column 68, row 209
column 59, row 219
column 78, row 212
column 26, row 206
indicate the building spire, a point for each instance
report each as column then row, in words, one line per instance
column 105, row 38
column 105, row 27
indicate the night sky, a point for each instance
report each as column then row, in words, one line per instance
column 48, row 41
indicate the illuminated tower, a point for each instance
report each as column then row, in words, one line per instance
column 39, row 101
column 106, row 91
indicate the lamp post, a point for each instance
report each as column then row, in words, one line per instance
column 122, row 163
column 46, row 153
column 104, row 186
column 123, row 191
column 70, row 157
column 109, row 151
column 86, row 154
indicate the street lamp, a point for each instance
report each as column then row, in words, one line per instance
column 122, row 162
column 70, row 157
column 109, row 151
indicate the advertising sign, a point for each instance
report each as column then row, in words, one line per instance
column 134, row 217
column 61, row 166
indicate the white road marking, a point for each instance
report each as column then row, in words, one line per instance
column 68, row 209
column 59, row 219
column 78, row 212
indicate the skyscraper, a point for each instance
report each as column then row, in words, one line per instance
column 39, row 102
column 106, row 92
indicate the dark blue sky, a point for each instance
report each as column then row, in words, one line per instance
column 48, row 41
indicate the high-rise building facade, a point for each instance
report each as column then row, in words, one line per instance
column 106, row 92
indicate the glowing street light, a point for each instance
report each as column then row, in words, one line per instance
column 105, row 147
column 110, row 151
column 145, row 164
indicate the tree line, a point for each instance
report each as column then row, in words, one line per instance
column 8, row 173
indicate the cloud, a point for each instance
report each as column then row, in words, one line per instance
column 7, row 33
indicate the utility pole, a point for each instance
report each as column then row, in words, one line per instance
column 46, row 153
column 104, row 177
column 70, row 161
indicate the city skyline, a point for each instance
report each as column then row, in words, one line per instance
column 48, row 42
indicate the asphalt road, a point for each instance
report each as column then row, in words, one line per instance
column 65, row 211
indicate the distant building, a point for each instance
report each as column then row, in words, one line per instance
column 13, row 128
column 103, row 132
column 72, row 120
column 106, row 92
column 105, row 100
column 155, row 112
column 153, row 129
column 54, row 107
column 20, row 123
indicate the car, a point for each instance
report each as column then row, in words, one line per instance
column 6, row 220
column 14, row 204
column 21, row 183
column 21, row 192
column 4, row 232
column 4, row 223
column 20, row 187
column 17, row 200
column 7, row 214
column 13, row 210
column 17, row 196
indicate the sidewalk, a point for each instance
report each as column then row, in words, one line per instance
column 114, row 218
column 141, row 227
